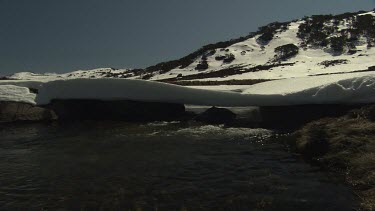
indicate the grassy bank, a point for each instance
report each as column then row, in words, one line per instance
column 345, row 145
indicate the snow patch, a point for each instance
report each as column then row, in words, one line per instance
column 11, row 93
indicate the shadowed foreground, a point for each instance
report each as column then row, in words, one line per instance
column 157, row 166
column 345, row 145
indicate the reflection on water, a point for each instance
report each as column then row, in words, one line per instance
column 157, row 166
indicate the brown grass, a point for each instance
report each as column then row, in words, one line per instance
column 345, row 145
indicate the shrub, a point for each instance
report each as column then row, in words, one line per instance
column 268, row 32
column 211, row 52
column 329, row 63
column 364, row 22
column 147, row 76
column 265, row 38
column 286, row 52
column 338, row 43
column 203, row 65
column 219, row 58
column 313, row 142
column 229, row 58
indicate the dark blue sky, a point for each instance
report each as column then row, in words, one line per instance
column 66, row 35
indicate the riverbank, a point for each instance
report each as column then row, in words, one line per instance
column 345, row 145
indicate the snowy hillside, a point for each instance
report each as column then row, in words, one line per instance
column 317, row 45
column 95, row 73
column 311, row 46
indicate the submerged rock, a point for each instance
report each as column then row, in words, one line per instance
column 216, row 115
column 18, row 111
column 125, row 110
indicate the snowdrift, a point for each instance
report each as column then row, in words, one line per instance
column 11, row 93
column 140, row 90
column 348, row 89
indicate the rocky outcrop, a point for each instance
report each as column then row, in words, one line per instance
column 216, row 115
column 17, row 111
column 124, row 110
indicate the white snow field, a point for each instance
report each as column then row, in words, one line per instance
column 346, row 89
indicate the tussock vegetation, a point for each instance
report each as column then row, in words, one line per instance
column 216, row 83
column 329, row 63
column 345, row 145
column 233, row 70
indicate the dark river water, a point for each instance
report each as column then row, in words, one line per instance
column 157, row 166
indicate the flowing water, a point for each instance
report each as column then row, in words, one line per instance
column 157, row 166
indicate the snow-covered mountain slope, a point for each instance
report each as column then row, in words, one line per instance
column 95, row 73
column 311, row 46
column 322, row 44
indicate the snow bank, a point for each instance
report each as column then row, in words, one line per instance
column 330, row 89
column 139, row 90
column 358, row 90
column 13, row 93
column 347, row 91
column 293, row 85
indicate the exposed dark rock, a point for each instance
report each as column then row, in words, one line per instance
column 33, row 90
column 372, row 68
column 216, row 115
column 125, row 110
column 16, row 111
